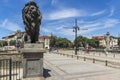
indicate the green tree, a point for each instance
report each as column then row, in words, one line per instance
column 12, row 42
column 93, row 43
column 53, row 41
column 119, row 41
column 83, row 41
column 64, row 43
column 3, row 43
column 60, row 42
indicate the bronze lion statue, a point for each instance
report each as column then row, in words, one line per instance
column 32, row 20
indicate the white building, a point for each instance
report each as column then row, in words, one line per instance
column 18, row 36
column 45, row 40
column 107, row 41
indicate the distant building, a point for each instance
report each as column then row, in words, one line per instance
column 101, row 40
column 18, row 36
column 107, row 41
column 45, row 40
column 98, row 37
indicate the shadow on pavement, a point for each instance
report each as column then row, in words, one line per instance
column 46, row 73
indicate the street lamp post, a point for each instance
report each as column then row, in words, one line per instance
column 75, row 29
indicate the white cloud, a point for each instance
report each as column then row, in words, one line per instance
column 98, row 13
column 112, row 11
column 46, row 30
column 54, row 2
column 92, row 26
column 68, row 32
column 57, row 27
column 65, row 13
column 6, row 24
column 111, row 22
column 102, row 24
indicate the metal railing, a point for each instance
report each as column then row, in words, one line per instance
column 10, row 69
column 105, row 62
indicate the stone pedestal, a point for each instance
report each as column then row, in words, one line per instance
column 33, row 61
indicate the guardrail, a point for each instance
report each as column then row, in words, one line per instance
column 105, row 62
column 102, row 50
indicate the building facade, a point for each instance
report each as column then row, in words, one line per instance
column 45, row 40
column 18, row 36
column 107, row 41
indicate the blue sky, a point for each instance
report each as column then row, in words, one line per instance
column 98, row 16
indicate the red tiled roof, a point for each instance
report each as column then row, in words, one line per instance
column 97, row 37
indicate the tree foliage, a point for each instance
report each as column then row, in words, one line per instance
column 83, row 41
column 60, row 42
column 3, row 43
column 119, row 41
column 53, row 41
column 65, row 43
column 12, row 42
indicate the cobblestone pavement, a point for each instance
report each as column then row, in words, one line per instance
column 58, row 67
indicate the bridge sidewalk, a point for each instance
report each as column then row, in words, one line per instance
column 65, row 68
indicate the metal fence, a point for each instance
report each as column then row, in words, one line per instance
column 105, row 62
column 10, row 69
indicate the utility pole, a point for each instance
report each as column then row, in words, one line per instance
column 75, row 29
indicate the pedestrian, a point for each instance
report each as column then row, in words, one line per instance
column 106, row 52
column 17, row 45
